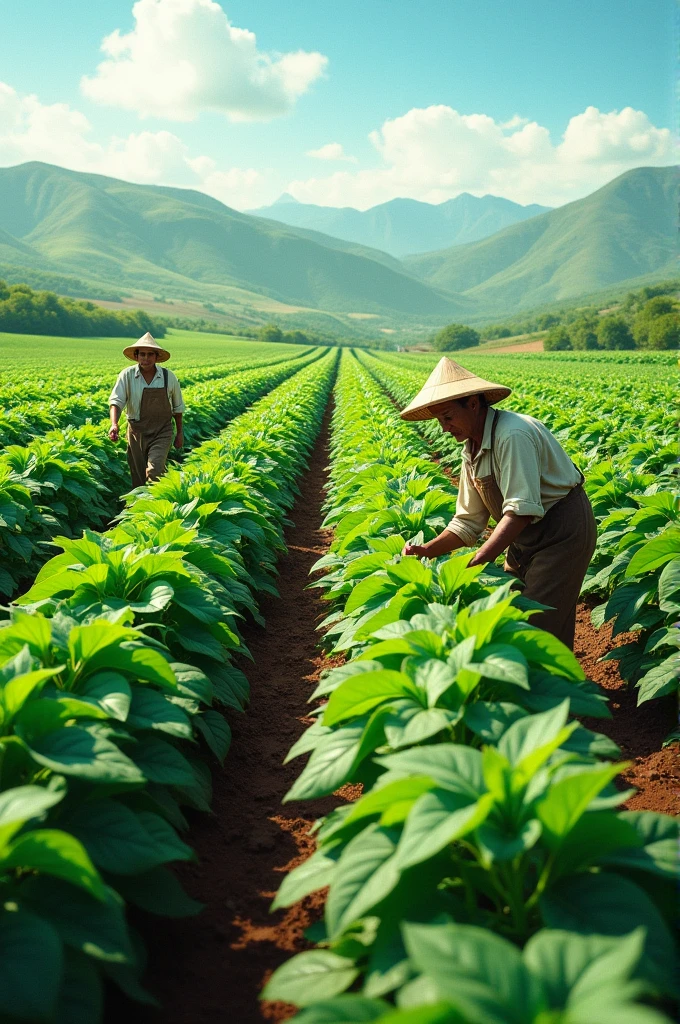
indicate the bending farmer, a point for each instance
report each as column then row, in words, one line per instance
column 515, row 471
column 152, row 396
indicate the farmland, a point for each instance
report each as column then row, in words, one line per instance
column 493, row 839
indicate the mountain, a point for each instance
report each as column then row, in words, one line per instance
column 404, row 226
column 170, row 239
column 625, row 230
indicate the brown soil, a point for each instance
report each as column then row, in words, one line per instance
column 527, row 346
column 212, row 967
column 639, row 731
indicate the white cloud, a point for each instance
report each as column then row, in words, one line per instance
column 434, row 153
column 332, row 151
column 184, row 56
column 55, row 133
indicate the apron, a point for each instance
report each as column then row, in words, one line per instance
column 149, row 438
column 550, row 556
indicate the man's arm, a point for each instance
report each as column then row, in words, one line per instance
column 179, row 431
column 503, row 535
column 446, row 541
column 114, row 414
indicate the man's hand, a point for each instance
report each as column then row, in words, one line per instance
column 114, row 433
column 179, row 440
column 419, row 550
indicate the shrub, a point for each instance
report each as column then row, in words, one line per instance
column 455, row 336
column 664, row 332
column 583, row 334
column 614, row 333
column 557, row 339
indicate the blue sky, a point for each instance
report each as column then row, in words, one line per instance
column 384, row 92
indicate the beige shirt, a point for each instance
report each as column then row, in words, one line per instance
column 531, row 468
column 129, row 388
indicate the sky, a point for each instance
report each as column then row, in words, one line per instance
column 342, row 103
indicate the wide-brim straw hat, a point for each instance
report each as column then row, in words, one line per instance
column 449, row 381
column 147, row 341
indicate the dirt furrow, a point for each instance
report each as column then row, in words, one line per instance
column 211, row 968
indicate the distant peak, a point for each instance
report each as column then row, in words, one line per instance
column 285, row 199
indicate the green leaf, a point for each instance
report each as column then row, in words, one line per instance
column 311, row 976
column 150, row 710
column 55, row 853
column 669, row 585
column 81, row 998
column 316, row 872
column 74, row 751
column 360, row 694
column 437, row 819
column 365, row 873
column 609, row 904
column 158, row 892
column 660, row 680
column 655, row 552
column 344, row 1009
column 215, row 730
column 95, row 928
column 541, row 648
column 23, row 803
column 16, row 691
column 111, row 691
column 567, row 799
column 161, row 762
column 530, row 741
column 451, row 765
column 28, row 944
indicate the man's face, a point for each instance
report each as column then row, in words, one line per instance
column 457, row 419
column 146, row 358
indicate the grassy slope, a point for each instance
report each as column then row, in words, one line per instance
column 148, row 236
column 623, row 231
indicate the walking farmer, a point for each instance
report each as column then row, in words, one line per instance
column 153, row 398
column 515, row 471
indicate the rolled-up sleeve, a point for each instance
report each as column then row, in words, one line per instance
column 119, row 396
column 520, row 475
column 175, row 394
column 472, row 514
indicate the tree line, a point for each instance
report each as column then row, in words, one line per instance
column 24, row 311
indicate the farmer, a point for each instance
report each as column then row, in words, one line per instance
column 152, row 396
column 515, row 471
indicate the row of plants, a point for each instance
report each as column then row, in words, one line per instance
column 628, row 454
column 485, row 874
column 34, row 407
column 116, row 668
column 71, row 479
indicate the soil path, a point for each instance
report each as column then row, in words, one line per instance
column 639, row 731
column 210, row 968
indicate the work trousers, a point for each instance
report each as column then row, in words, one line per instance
column 147, row 453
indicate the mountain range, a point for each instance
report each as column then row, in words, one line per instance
column 402, row 227
column 148, row 239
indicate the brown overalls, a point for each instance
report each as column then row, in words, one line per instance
column 149, row 438
column 552, row 555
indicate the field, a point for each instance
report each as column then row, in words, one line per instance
column 230, row 690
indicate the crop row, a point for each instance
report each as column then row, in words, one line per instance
column 485, row 873
column 70, row 479
column 110, row 666
column 628, row 455
column 32, row 408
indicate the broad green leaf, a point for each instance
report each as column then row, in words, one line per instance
column 311, row 976
column 365, row 873
column 655, row 552
column 436, row 819
column 161, row 762
column 28, row 944
column 54, row 852
column 215, row 729
column 153, row 711
column 541, row 648
column 451, row 765
column 111, row 691
column 158, row 892
column 360, row 694
column 567, row 799
column 344, row 1009
column 23, row 803
column 75, row 751
column 316, row 872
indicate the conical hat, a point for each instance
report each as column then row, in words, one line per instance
column 147, row 341
column 447, row 381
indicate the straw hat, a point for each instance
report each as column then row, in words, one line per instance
column 147, row 341
column 447, row 381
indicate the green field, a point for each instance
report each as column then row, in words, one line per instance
column 39, row 353
column 459, row 812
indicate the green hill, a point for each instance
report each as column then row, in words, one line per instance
column 143, row 236
column 626, row 230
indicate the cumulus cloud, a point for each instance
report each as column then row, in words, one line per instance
column 332, row 151
column 55, row 133
column 185, row 56
column 434, row 153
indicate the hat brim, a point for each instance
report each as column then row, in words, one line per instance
column 428, row 399
column 162, row 354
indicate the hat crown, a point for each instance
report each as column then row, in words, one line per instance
column 148, row 339
column 447, row 372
